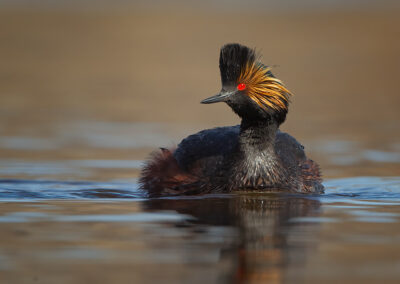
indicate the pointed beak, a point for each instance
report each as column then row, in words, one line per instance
column 221, row 97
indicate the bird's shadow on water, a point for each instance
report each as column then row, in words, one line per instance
column 275, row 233
column 267, row 240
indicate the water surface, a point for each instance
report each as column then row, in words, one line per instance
column 87, row 91
column 74, row 232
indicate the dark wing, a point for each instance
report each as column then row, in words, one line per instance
column 207, row 145
column 289, row 149
column 292, row 155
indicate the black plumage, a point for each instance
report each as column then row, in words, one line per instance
column 254, row 155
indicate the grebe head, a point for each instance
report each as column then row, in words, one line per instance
column 249, row 87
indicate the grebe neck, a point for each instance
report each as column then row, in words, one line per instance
column 257, row 136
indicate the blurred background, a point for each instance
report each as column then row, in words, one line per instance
column 89, row 88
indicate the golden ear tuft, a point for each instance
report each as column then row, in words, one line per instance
column 262, row 88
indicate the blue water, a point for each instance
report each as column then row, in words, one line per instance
column 18, row 189
column 345, row 189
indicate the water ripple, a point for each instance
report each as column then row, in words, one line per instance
column 14, row 189
column 359, row 190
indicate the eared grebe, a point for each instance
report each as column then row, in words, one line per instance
column 254, row 155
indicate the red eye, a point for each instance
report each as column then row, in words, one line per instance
column 241, row 87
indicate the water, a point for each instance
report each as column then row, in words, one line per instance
column 87, row 91
column 75, row 232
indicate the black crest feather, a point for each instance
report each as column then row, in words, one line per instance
column 233, row 57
